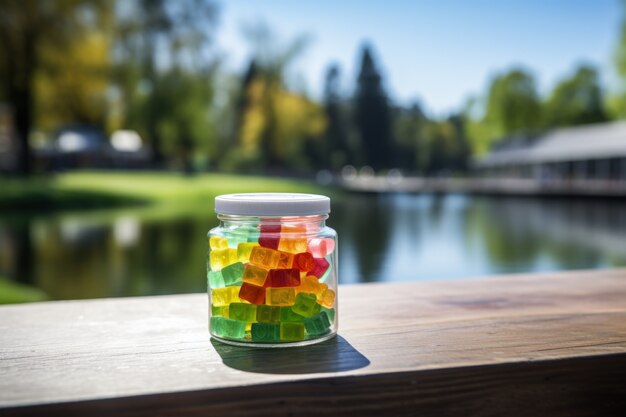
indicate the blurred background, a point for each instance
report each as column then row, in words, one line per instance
column 456, row 139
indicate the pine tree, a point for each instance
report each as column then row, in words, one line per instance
column 372, row 114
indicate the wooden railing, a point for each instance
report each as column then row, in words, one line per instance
column 549, row 344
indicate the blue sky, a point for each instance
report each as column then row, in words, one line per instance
column 439, row 52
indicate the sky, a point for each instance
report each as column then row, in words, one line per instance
column 437, row 52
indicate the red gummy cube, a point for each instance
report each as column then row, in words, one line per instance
column 321, row 266
column 283, row 278
column 270, row 236
column 252, row 293
column 303, row 261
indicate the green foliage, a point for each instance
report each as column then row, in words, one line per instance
column 616, row 104
column 372, row 114
column 513, row 105
column 178, row 33
column 34, row 36
column 272, row 125
column 576, row 100
column 335, row 151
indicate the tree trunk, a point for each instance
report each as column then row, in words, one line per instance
column 22, row 97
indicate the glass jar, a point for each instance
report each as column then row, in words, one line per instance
column 272, row 270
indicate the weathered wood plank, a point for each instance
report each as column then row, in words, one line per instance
column 527, row 344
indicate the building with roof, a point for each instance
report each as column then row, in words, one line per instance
column 591, row 153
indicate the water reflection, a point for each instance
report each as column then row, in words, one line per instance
column 382, row 238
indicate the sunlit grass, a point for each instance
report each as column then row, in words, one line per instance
column 12, row 292
column 107, row 189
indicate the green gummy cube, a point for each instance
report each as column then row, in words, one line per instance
column 265, row 332
column 267, row 314
column 318, row 324
column 250, row 232
column 217, row 310
column 221, row 326
column 288, row 316
column 291, row 331
column 330, row 312
column 232, row 274
column 242, row 311
column 215, row 279
column 306, row 305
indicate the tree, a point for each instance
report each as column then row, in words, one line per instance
column 618, row 102
column 273, row 124
column 186, row 130
column 372, row 114
column 72, row 88
column 336, row 152
column 409, row 128
column 178, row 33
column 576, row 100
column 513, row 105
column 27, row 29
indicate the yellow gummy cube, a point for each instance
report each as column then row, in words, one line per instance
column 264, row 257
column 292, row 239
column 224, row 296
column 244, row 249
column 254, row 275
column 281, row 296
column 310, row 284
column 220, row 258
column 218, row 242
column 327, row 298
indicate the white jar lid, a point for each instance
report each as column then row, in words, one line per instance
column 272, row 204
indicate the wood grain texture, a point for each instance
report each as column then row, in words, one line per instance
column 549, row 344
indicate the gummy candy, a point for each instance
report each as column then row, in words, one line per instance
column 232, row 274
column 285, row 260
column 251, row 293
column 265, row 332
column 321, row 266
column 224, row 327
column 310, row 284
column 268, row 314
column 270, row 236
column 303, row 261
column 291, row 331
column 224, row 296
column 220, row 258
column 255, row 275
column 215, row 279
column 306, row 305
column 328, row 298
column 287, row 315
column 218, row 242
column 283, row 278
column 320, row 247
column 289, row 242
column 267, row 283
column 330, row 312
column 244, row 249
column 317, row 324
column 280, row 296
column 264, row 257
column 242, row 311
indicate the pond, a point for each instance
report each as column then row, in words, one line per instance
column 395, row 237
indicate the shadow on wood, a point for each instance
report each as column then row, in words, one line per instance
column 334, row 355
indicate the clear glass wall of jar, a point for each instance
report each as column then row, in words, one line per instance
column 272, row 279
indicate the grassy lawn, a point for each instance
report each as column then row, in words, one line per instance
column 78, row 190
column 13, row 292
